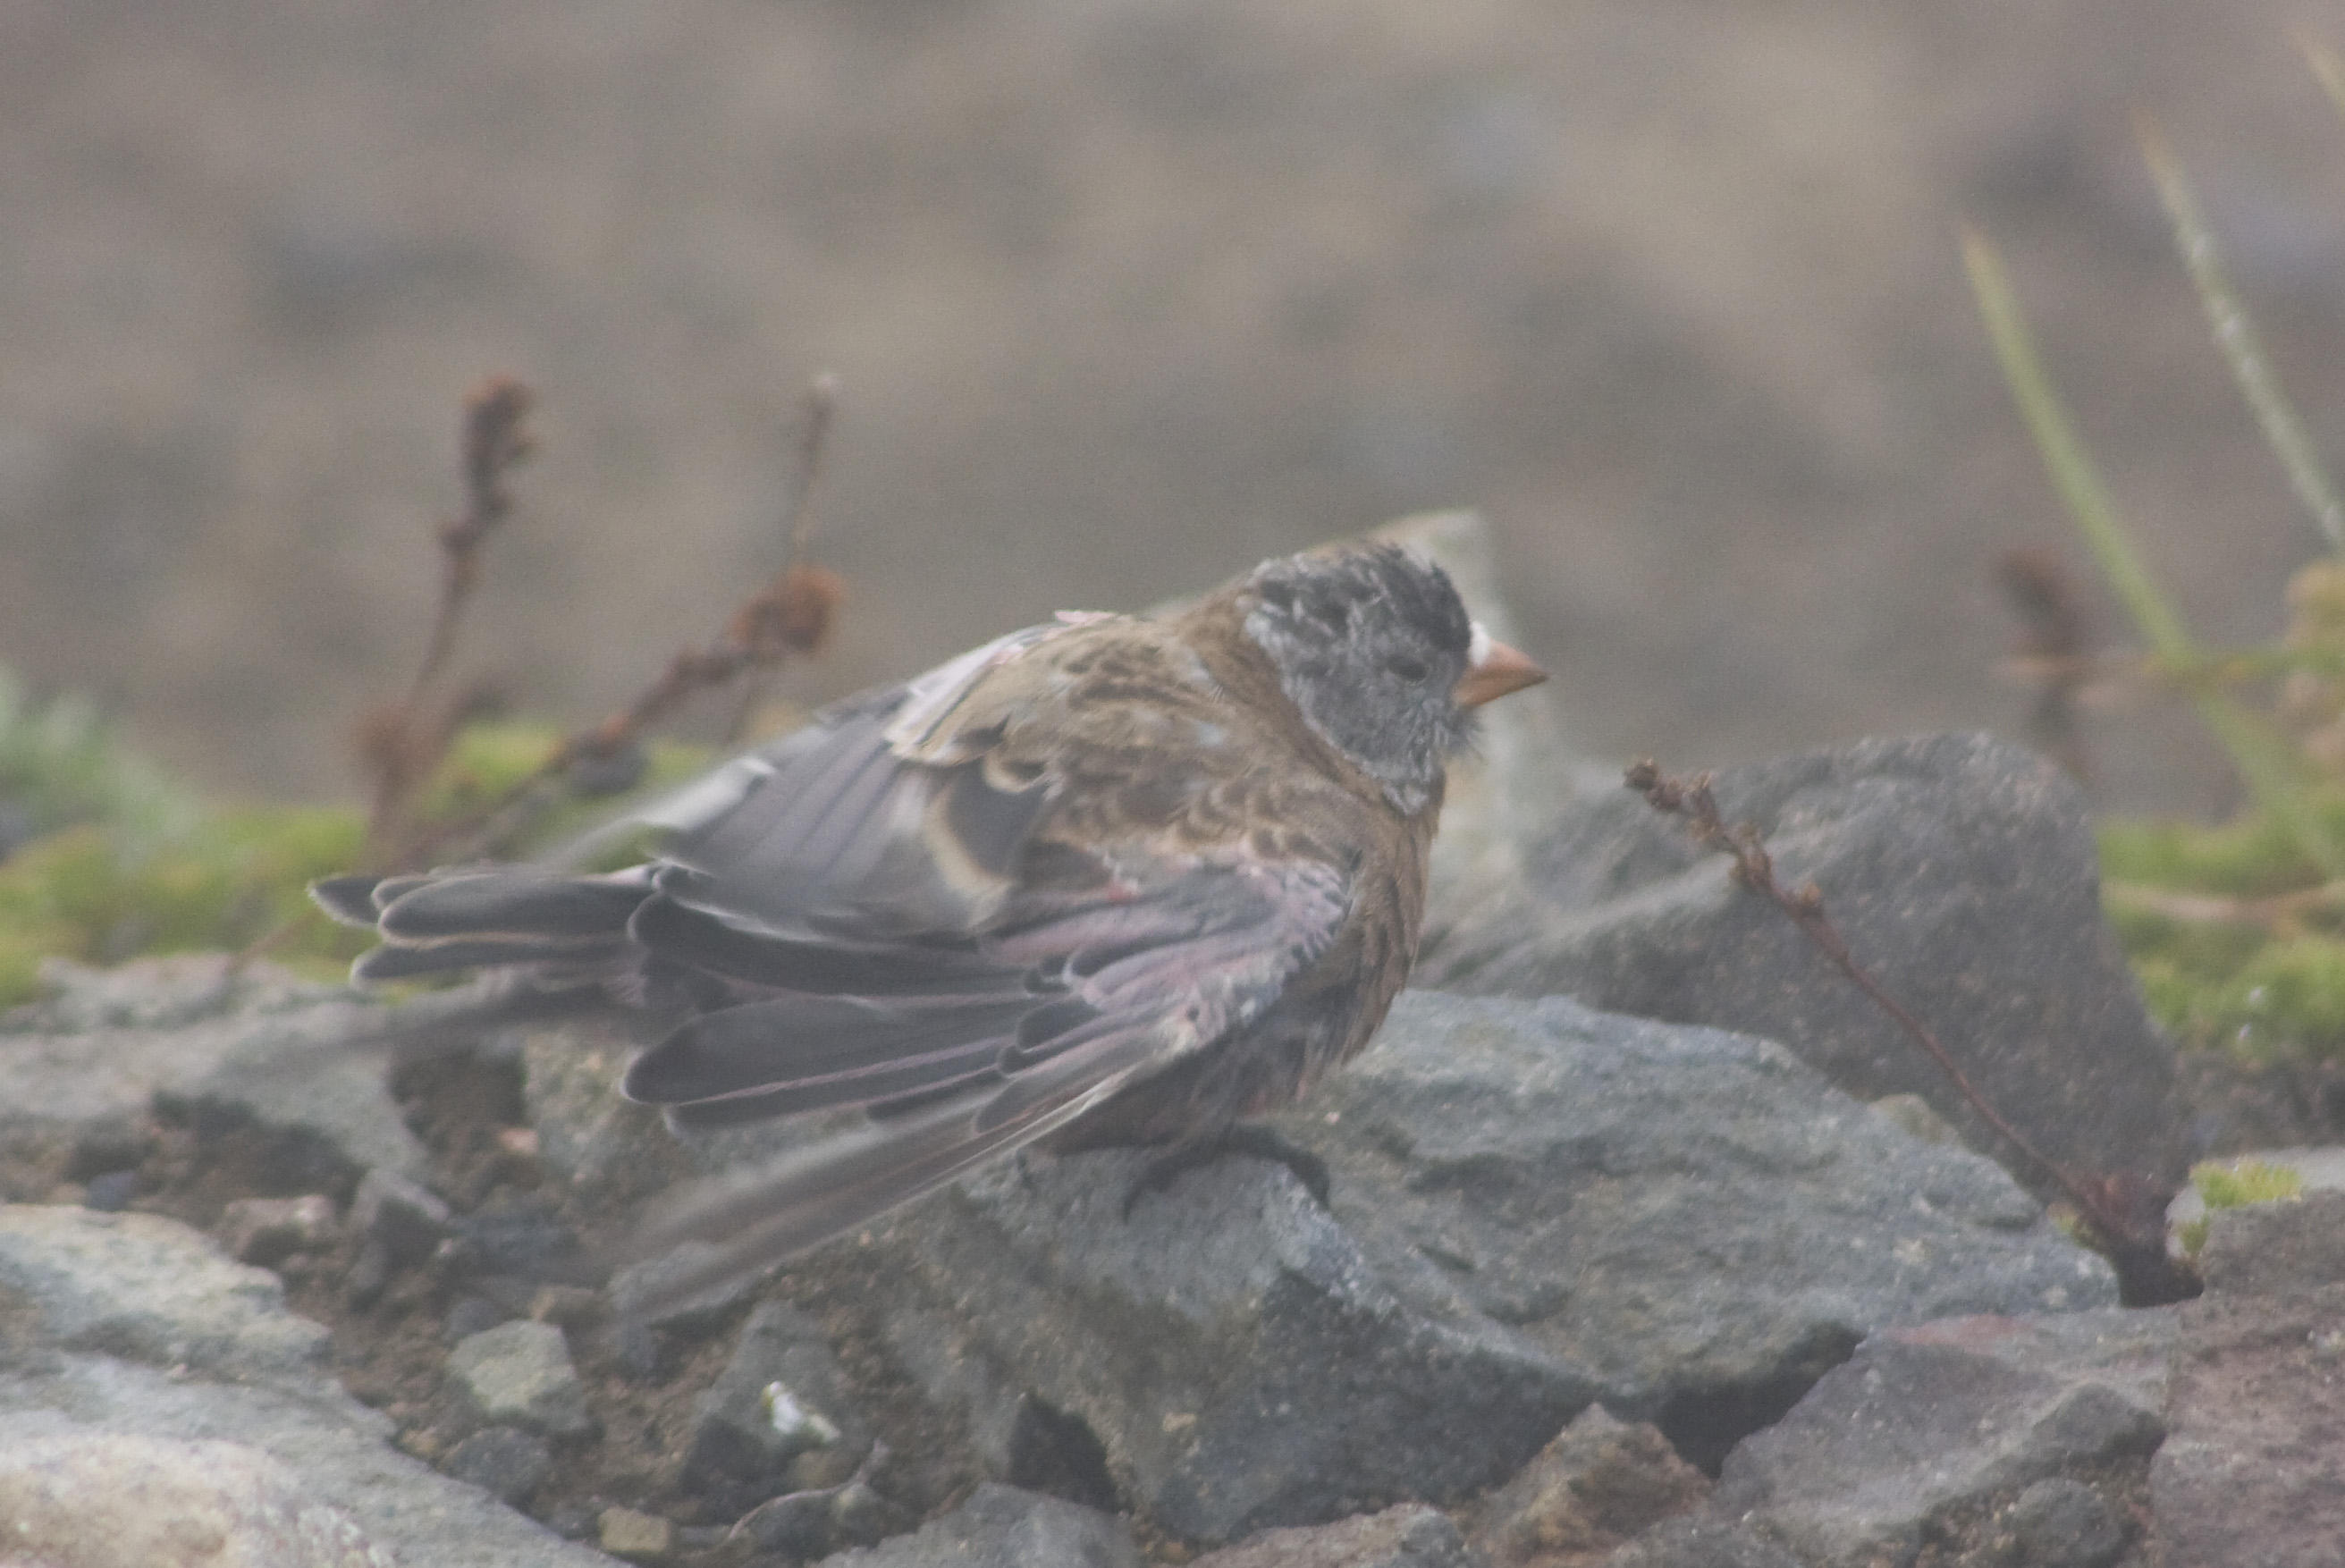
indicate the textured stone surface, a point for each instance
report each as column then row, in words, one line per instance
column 108, row 1046
column 158, row 1405
column 505, row 1462
column 2252, row 1472
column 2063, row 1523
column 518, row 1374
column 407, row 1219
column 1600, row 1481
column 148, row 1288
column 1694, row 1217
column 2269, row 1247
column 1002, row 1527
column 91, row 1500
column 1407, row 1536
column 1930, row 1424
column 1963, row 873
column 778, row 1398
column 1534, row 1206
column 1230, row 1345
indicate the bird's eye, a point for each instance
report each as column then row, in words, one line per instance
column 1407, row 668
column 1277, row 595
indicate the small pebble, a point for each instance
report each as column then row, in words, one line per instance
column 638, row 1537
column 520, row 1374
column 407, row 1220
column 268, row 1230
column 506, row 1462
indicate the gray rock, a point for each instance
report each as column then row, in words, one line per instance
column 1961, row 870
column 119, row 1500
column 518, row 1374
column 1534, row 1206
column 1693, row 1216
column 610, row 1151
column 1232, row 1348
column 146, row 1289
column 505, row 1462
column 1600, row 1481
column 1698, row 1540
column 159, row 1406
column 2250, row 1472
column 1408, row 1536
column 185, row 1036
column 2271, row 1247
column 1951, row 1419
column 2064, row 1523
column 1002, row 1527
column 781, row 1396
column 405, row 1217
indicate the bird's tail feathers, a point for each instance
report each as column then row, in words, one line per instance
column 809, row 1195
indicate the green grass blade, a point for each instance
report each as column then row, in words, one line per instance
column 2271, row 768
column 2072, row 468
column 2235, row 336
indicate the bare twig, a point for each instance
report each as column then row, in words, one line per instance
column 789, row 616
column 495, row 442
column 401, row 743
column 2274, row 911
column 796, row 519
column 2118, row 1210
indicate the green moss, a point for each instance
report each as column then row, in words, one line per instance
column 2235, row 1184
column 61, row 763
column 2265, row 986
column 2250, row 857
column 124, row 883
column 234, row 877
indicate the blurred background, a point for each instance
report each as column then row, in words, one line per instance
column 1125, row 295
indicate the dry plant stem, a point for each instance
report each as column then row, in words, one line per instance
column 401, row 743
column 2275, row 913
column 494, row 443
column 796, row 517
column 1695, row 804
column 790, row 616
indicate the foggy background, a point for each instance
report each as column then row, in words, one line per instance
column 1124, row 296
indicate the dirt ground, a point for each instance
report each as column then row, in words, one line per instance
column 1125, row 296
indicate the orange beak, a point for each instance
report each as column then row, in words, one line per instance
column 1493, row 670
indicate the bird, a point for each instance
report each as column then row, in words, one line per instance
column 1108, row 880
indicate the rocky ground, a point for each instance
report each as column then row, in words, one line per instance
column 1642, row 1244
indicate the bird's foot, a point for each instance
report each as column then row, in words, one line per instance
column 1250, row 1138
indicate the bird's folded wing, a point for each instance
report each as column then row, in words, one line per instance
column 1088, row 996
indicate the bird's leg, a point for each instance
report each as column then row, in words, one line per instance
column 1251, row 1138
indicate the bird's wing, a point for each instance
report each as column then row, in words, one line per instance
column 1000, row 1044
column 877, row 823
